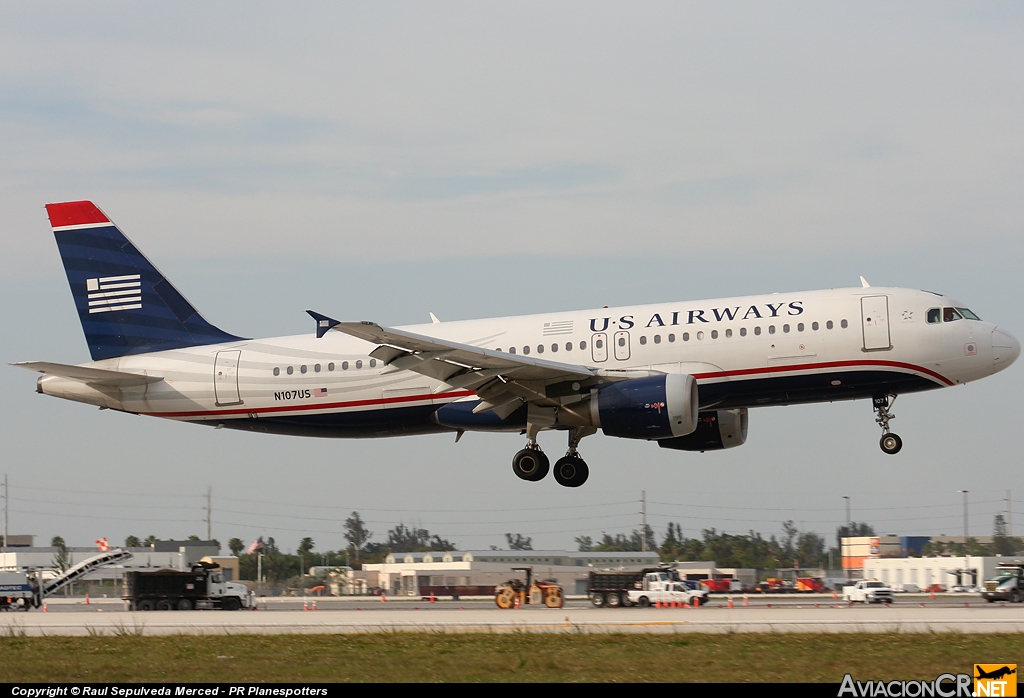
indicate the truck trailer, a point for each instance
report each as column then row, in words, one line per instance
column 202, row 587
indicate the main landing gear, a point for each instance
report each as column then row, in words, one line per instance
column 570, row 470
column 890, row 443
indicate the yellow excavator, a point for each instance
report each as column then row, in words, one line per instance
column 547, row 592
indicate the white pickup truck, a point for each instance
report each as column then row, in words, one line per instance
column 657, row 587
column 868, row 591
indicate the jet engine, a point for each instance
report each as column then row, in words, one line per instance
column 657, row 407
column 715, row 431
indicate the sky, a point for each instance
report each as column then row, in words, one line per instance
column 386, row 160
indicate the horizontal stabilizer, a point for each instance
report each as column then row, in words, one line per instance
column 92, row 376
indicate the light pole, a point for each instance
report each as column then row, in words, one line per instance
column 849, row 527
column 964, row 493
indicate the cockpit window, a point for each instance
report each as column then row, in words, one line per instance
column 950, row 314
column 968, row 314
column 934, row 315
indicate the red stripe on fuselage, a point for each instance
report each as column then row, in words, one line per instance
column 823, row 365
column 467, row 393
column 314, row 407
column 74, row 213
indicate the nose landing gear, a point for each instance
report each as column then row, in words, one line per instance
column 890, row 443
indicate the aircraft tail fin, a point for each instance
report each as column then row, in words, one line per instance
column 125, row 304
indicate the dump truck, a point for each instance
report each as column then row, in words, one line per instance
column 614, row 588
column 202, row 587
column 1006, row 585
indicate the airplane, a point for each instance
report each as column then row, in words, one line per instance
column 683, row 374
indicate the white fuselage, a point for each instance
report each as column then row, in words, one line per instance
column 743, row 352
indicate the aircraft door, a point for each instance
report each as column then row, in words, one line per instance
column 622, row 345
column 599, row 347
column 874, row 314
column 225, row 378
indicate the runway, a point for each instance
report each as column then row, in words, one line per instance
column 106, row 617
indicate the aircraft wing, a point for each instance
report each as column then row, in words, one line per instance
column 502, row 381
column 92, row 376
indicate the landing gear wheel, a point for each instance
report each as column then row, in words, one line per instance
column 891, row 443
column 531, row 464
column 571, row 471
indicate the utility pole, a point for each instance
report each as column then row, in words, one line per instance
column 209, row 491
column 6, row 507
column 849, row 533
column 1009, row 515
column 643, row 510
column 964, row 492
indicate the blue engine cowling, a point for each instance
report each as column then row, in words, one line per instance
column 715, row 431
column 658, row 407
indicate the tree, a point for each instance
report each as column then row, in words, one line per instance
column 584, row 543
column 404, row 539
column 305, row 546
column 150, row 541
column 132, row 542
column 236, row 545
column 357, row 534
column 853, row 530
column 62, row 559
column 518, row 542
column 1002, row 542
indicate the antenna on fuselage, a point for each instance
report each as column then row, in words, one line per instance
column 864, row 283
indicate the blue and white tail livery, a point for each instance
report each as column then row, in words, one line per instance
column 683, row 374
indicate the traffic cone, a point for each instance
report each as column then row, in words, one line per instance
column 696, row 602
column 86, row 598
column 314, row 604
column 746, row 600
column 383, row 598
column 730, row 603
column 305, row 605
column 432, row 598
column 45, row 609
column 515, row 603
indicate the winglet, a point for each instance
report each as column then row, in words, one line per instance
column 433, row 319
column 864, row 283
column 324, row 324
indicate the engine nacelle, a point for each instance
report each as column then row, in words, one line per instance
column 658, row 407
column 715, row 431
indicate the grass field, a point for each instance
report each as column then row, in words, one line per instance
column 790, row 657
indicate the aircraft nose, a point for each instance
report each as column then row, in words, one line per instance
column 1005, row 349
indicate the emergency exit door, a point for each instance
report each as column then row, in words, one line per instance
column 225, row 378
column 874, row 315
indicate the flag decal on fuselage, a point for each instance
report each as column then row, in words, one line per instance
column 114, row 293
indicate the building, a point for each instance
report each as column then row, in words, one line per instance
column 926, row 571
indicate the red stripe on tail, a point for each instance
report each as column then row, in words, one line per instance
column 74, row 213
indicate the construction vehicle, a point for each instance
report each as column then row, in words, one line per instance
column 722, row 585
column 22, row 590
column 868, row 591
column 1006, row 585
column 547, row 592
column 202, row 587
column 612, row 588
column 658, row 587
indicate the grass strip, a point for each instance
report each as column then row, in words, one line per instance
column 482, row 657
